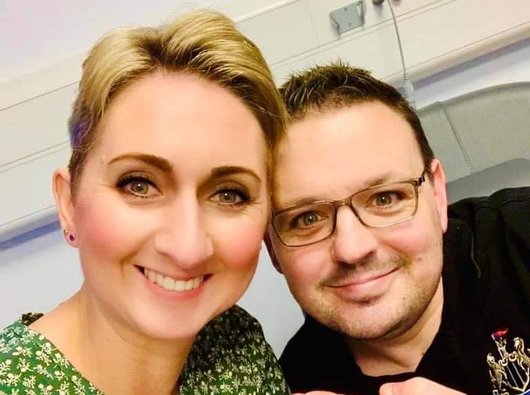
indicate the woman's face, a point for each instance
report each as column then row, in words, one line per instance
column 171, row 206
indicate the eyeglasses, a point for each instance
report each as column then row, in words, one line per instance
column 376, row 207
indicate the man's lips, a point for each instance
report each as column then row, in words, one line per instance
column 361, row 279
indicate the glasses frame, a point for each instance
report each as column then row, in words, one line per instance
column 335, row 204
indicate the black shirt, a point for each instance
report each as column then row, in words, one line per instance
column 486, row 278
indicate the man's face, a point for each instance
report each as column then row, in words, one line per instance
column 369, row 283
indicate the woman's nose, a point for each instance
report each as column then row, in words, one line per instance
column 184, row 236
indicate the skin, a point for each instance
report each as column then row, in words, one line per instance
column 162, row 192
column 380, row 287
column 415, row 386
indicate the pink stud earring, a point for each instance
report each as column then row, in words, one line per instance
column 71, row 236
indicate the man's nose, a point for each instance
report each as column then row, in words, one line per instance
column 352, row 241
column 184, row 236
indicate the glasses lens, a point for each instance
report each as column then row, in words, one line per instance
column 304, row 225
column 387, row 204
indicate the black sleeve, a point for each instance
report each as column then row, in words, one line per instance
column 500, row 227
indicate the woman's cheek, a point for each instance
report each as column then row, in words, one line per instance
column 107, row 227
column 240, row 245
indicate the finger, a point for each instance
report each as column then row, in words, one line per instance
column 391, row 389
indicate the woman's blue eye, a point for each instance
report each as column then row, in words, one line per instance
column 230, row 197
column 138, row 186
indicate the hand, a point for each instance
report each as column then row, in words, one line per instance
column 417, row 386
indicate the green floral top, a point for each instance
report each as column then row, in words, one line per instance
column 230, row 356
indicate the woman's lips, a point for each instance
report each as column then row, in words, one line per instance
column 172, row 284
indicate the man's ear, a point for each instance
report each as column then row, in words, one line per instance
column 270, row 248
column 440, row 193
column 62, row 191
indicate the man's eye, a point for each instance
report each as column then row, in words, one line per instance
column 306, row 220
column 384, row 199
column 388, row 199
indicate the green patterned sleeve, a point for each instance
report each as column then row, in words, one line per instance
column 231, row 356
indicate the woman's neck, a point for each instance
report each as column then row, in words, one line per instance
column 114, row 358
column 404, row 352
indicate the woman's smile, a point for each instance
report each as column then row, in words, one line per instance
column 172, row 284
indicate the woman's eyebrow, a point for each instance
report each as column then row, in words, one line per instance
column 223, row 171
column 152, row 160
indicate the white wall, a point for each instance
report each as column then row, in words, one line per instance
column 436, row 35
column 509, row 64
column 36, row 274
column 39, row 270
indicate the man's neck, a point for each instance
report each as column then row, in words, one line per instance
column 404, row 352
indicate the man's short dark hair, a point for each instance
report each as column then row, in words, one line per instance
column 339, row 85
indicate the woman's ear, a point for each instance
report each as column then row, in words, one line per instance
column 440, row 193
column 62, row 191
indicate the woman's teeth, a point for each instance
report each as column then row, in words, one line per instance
column 172, row 284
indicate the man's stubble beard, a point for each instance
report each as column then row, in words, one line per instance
column 371, row 322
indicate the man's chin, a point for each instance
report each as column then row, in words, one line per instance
column 371, row 322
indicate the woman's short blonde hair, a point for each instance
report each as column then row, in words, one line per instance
column 203, row 43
